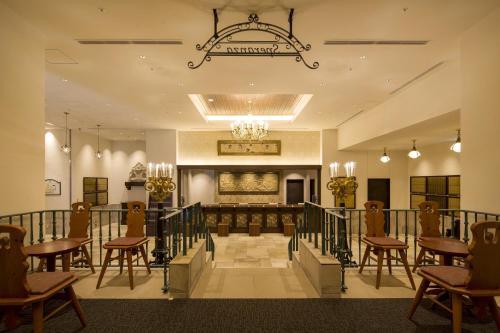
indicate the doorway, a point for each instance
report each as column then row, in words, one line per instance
column 380, row 189
column 294, row 191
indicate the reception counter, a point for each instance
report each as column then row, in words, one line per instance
column 271, row 217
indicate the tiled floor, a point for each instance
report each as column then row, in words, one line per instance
column 246, row 267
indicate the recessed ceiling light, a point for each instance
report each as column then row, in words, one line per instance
column 251, row 84
column 249, row 101
column 362, row 57
column 64, row 80
column 142, row 57
column 388, row 81
column 179, row 112
column 210, row 100
column 50, row 124
column 322, row 84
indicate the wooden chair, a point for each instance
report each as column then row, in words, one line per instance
column 131, row 244
column 78, row 231
column 479, row 279
column 18, row 289
column 376, row 241
column 429, row 222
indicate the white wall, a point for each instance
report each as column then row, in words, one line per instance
column 125, row 155
column 297, row 148
column 118, row 159
column 436, row 160
column 433, row 95
column 22, row 88
column 368, row 166
column 480, row 116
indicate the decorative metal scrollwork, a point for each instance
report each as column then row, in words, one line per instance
column 283, row 43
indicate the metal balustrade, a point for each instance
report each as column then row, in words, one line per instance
column 338, row 232
column 172, row 230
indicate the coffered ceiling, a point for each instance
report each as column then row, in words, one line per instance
column 141, row 86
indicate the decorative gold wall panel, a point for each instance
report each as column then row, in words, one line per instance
column 248, row 182
column 242, row 148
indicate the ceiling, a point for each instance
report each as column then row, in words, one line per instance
column 136, row 87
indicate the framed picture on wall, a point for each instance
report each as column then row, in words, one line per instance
column 52, row 187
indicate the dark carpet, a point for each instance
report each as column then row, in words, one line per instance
column 258, row 315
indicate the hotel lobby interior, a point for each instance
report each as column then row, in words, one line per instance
column 250, row 165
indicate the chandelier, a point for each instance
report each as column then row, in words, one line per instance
column 249, row 129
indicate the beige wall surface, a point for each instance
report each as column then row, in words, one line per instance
column 22, row 85
column 436, row 160
column 480, row 116
column 297, row 148
column 118, row 159
column 368, row 166
column 434, row 94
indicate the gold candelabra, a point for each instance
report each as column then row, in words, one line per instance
column 159, row 180
column 341, row 187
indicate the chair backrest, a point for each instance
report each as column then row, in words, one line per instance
column 374, row 219
column 136, row 216
column 13, row 264
column 429, row 219
column 79, row 220
column 484, row 256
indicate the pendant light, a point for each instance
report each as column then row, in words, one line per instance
column 66, row 148
column 385, row 158
column 414, row 153
column 98, row 154
column 457, row 146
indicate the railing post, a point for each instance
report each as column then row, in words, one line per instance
column 54, row 231
column 184, row 240
column 466, row 227
column 323, row 234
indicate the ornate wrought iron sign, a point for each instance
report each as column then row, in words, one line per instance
column 281, row 44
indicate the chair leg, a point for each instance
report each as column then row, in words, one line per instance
column 456, row 307
column 88, row 258
column 145, row 257
column 130, row 268
column 418, row 261
column 494, row 311
column 365, row 257
column 380, row 262
column 37, row 317
column 418, row 297
column 120, row 259
column 402, row 254
column 388, row 253
column 11, row 317
column 107, row 259
column 76, row 304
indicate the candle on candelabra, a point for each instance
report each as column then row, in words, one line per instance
column 334, row 169
column 149, row 172
column 170, row 170
column 350, row 168
column 157, row 170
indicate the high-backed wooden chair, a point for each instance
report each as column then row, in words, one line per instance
column 78, row 231
column 479, row 279
column 17, row 289
column 429, row 222
column 376, row 241
column 131, row 244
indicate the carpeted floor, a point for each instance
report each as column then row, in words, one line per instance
column 258, row 315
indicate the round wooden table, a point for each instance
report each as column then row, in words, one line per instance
column 50, row 250
column 446, row 248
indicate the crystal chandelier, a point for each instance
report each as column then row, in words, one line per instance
column 249, row 129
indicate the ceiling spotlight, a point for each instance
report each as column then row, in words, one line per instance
column 385, row 158
column 414, row 153
column 66, row 148
column 211, row 100
column 251, row 84
column 457, row 146
column 388, row 81
column 362, row 57
column 142, row 57
column 64, row 80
